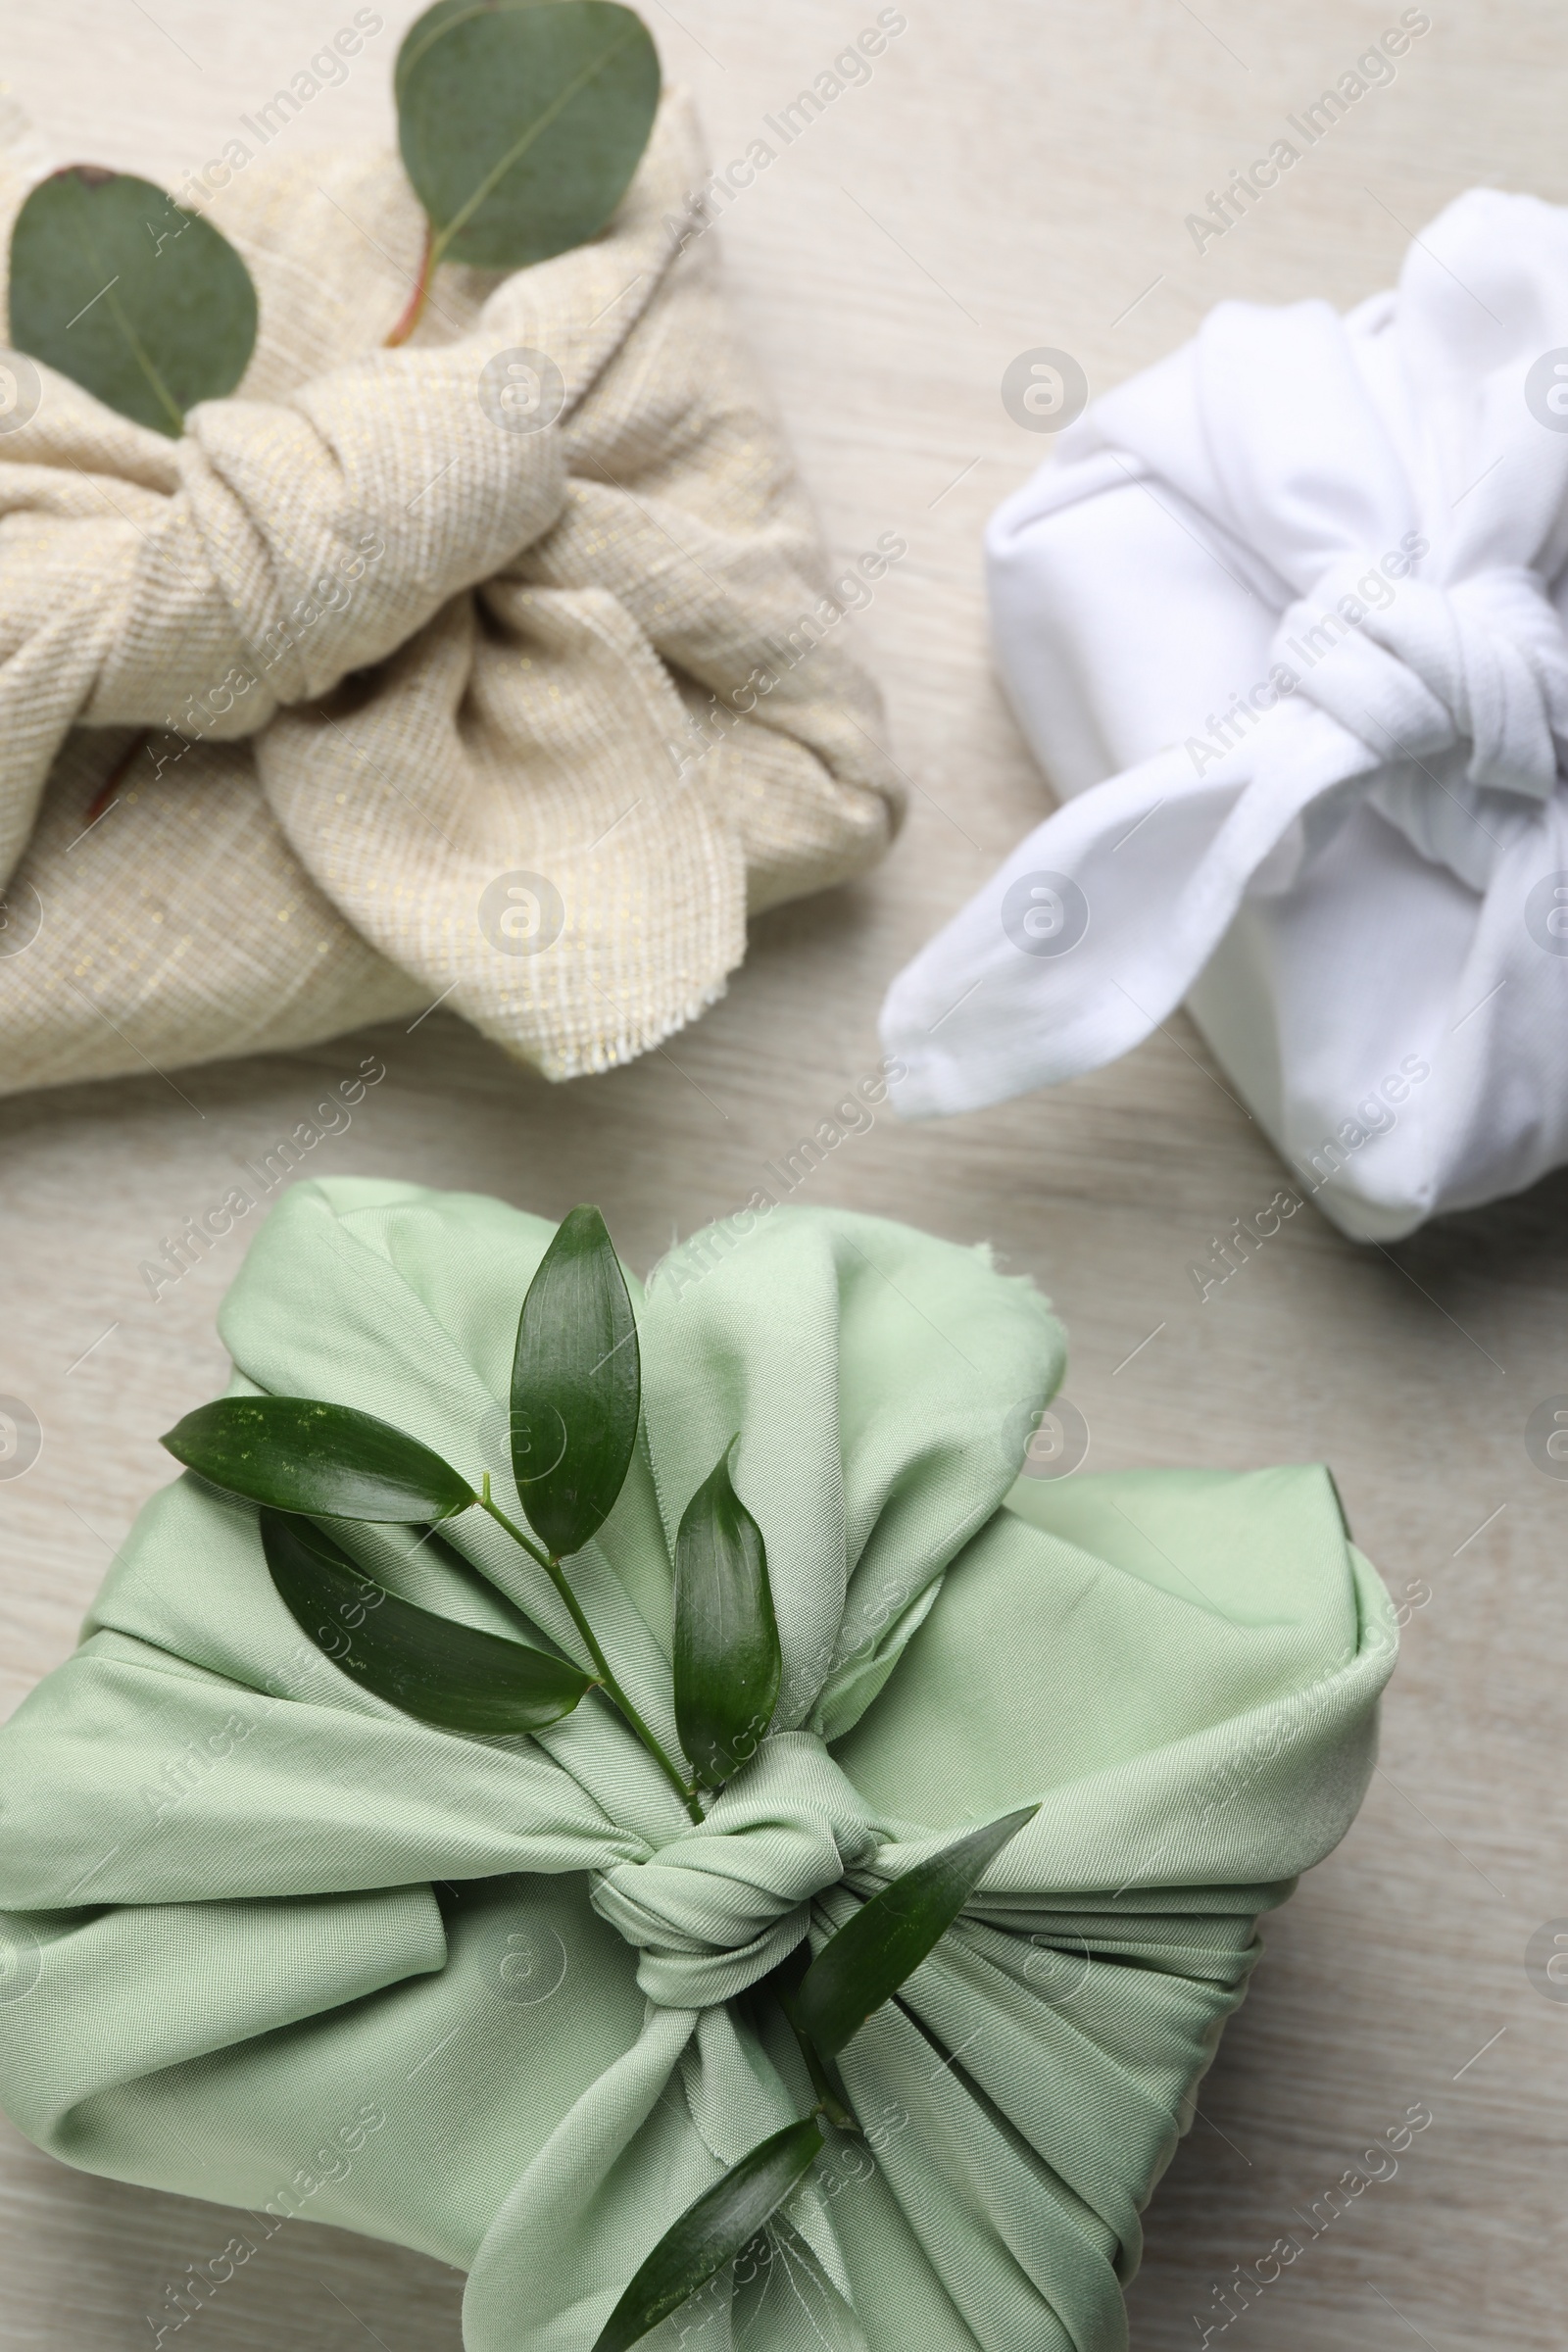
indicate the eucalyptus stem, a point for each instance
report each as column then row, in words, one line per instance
column 414, row 309
column 607, row 1679
column 117, row 775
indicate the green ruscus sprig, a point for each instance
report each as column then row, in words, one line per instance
column 575, row 1401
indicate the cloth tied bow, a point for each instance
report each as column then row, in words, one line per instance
column 269, row 1940
column 376, row 640
column 1285, row 620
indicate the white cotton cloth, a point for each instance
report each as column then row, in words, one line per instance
column 1286, row 620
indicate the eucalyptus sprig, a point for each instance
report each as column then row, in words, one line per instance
column 133, row 296
column 521, row 123
column 575, row 1404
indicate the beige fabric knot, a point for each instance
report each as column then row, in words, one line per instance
column 455, row 679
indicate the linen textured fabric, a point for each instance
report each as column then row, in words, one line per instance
column 408, row 653
column 1304, row 585
column 271, row 1941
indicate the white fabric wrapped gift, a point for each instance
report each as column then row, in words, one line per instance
column 1286, row 621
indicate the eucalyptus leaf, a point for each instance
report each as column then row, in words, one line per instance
column 576, row 1385
column 329, row 1460
column 521, row 123
column 727, row 1663
column 441, row 1672
column 884, row 1943
column 139, row 301
column 711, row 2232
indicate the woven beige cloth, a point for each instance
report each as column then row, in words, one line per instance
column 431, row 696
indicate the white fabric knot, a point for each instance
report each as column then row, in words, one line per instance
column 1481, row 663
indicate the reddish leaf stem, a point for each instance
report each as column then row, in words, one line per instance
column 415, row 309
column 111, row 784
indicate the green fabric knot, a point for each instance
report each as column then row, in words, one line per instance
column 720, row 1905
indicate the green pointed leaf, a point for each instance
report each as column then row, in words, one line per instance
column 710, row 2233
column 325, row 1459
column 439, row 1671
column 577, row 1383
column 132, row 297
column 522, row 124
column 727, row 1663
column 871, row 1955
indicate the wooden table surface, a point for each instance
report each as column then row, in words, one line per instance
column 1014, row 172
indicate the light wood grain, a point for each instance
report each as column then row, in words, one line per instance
column 1015, row 173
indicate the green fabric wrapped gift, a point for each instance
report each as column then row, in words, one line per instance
column 271, row 1941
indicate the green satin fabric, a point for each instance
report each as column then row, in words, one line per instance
column 272, row 1943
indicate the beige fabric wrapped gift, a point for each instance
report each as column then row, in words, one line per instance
column 431, row 682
